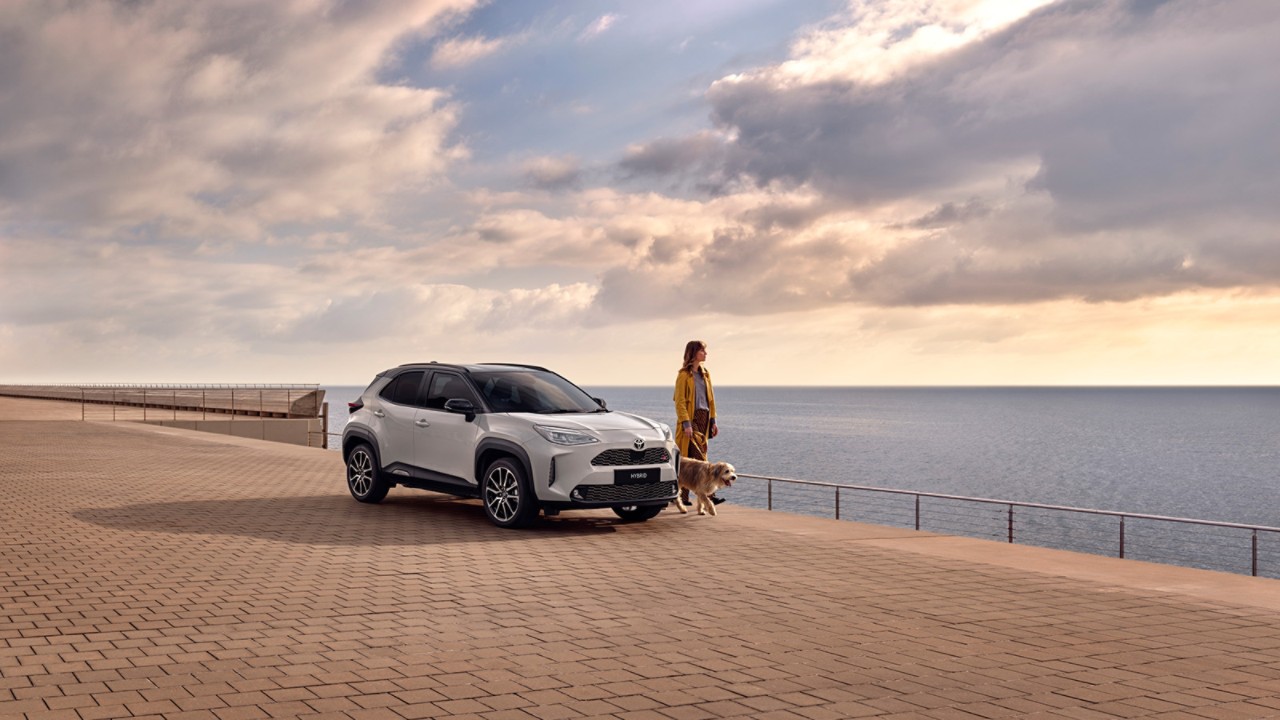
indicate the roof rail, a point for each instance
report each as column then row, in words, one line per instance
column 520, row 365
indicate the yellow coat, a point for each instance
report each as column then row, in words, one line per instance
column 686, row 400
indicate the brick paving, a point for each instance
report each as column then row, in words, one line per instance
column 155, row 573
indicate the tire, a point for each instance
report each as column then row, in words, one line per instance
column 364, row 479
column 637, row 513
column 508, row 499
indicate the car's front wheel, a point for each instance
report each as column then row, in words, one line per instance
column 508, row 499
column 637, row 513
column 364, row 479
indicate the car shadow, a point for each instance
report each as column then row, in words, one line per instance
column 338, row 520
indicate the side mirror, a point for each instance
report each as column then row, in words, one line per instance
column 462, row 406
column 600, row 401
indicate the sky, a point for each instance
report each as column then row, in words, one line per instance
column 889, row 192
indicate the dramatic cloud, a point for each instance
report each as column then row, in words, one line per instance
column 1093, row 149
column 876, row 42
column 916, row 191
column 210, row 120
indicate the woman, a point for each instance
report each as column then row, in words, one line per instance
column 695, row 407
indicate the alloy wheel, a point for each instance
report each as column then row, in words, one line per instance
column 360, row 473
column 502, row 494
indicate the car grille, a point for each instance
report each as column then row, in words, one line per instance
column 627, row 493
column 620, row 456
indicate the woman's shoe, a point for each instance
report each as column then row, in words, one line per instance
column 716, row 499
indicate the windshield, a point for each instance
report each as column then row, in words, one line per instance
column 532, row 391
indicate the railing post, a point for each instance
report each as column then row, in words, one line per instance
column 144, row 404
column 917, row 511
column 204, row 404
column 113, row 404
column 324, row 426
column 1011, row 523
column 770, row 494
column 1121, row 537
column 837, row 503
column 81, row 404
column 1254, row 553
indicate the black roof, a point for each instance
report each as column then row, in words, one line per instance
column 470, row 367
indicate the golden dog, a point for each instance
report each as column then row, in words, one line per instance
column 702, row 479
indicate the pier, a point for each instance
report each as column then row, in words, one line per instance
column 152, row 571
column 273, row 401
column 294, row 414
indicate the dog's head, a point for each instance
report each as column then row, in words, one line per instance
column 724, row 473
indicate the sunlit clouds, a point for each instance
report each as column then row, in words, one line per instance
column 460, row 51
column 915, row 192
column 201, row 121
column 874, row 42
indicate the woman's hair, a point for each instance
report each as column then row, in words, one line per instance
column 691, row 349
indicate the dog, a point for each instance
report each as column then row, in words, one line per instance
column 703, row 479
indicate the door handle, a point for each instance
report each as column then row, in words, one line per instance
column 422, row 423
column 379, row 413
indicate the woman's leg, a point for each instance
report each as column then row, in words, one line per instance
column 698, row 443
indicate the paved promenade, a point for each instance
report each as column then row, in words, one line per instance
column 152, row 572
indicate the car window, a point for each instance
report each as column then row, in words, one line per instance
column 447, row 386
column 404, row 389
column 533, row 392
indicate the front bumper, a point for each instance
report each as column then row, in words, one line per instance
column 584, row 477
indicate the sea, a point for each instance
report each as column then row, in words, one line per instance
column 1205, row 453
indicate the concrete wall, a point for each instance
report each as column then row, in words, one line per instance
column 296, row 431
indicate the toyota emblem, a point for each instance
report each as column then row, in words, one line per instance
column 639, row 443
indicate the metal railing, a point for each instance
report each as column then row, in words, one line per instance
column 259, row 400
column 1011, row 516
column 178, row 386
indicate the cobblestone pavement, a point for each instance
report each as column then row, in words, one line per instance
column 147, row 572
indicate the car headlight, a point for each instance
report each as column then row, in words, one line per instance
column 565, row 436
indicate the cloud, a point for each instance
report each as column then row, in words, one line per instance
column 599, row 27
column 552, row 173
column 1089, row 149
column 669, row 156
column 204, row 183
column 214, row 119
column 64, row 294
column 458, row 52
column 950, row 213
column 874, row 42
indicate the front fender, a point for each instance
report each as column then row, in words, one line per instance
column 491, row 445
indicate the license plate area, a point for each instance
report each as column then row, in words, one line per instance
column 637, row 476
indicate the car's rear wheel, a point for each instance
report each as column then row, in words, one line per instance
column 364, row 479
column 637, row 513
column 508, row 499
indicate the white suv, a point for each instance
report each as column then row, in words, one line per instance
column 520, row 438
